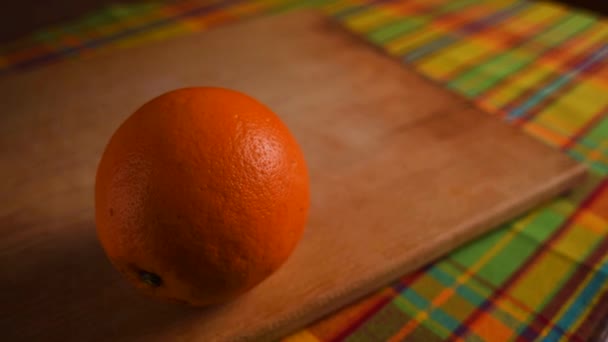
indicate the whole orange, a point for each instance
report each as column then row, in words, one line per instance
column 200, row 195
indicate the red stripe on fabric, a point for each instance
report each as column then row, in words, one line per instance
column 597, row 117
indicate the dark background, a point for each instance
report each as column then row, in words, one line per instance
column 19, row 17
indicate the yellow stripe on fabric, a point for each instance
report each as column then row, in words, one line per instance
column 370, row 19
column 411, row 41
column 557, row 119
column 577, row 242
column 508, row 91
column 453, row 58
column 533, row 15
column 541, row 278
column 574, row 109
column 302, row 336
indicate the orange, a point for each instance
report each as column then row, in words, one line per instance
column 200, row 195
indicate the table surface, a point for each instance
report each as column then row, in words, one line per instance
column 540, row 66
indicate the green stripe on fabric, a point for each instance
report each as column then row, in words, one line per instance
column 484, row 75
column 396, row 29
column 575, row 22
column 500, row 267
column 599, row 132
column 470, row 253
column 547, row 220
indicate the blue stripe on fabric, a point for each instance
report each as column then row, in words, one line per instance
column 414, row 298
column 579, row 305
column 462, row 290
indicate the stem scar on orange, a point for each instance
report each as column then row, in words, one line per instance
column 200, row 195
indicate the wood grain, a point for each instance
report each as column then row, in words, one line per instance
column 402, row 172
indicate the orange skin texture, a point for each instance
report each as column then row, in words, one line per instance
column 205, row 188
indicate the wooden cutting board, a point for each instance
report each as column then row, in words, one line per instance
column 402, row 172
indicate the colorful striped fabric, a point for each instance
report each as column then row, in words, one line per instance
column 540, row 66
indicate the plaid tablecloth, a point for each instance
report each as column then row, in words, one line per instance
column 538, row 65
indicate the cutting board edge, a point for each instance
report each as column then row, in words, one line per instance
column 481, row 224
